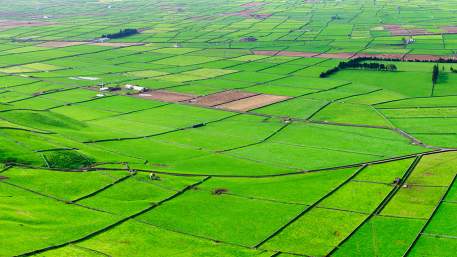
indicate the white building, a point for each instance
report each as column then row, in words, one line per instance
column 135, row 88
column 101, row 40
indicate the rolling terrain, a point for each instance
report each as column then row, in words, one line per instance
column 228, row 128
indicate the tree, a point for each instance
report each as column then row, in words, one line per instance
column 391, row 67
column 435, row 74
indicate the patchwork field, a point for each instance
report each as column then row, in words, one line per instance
column 228, row 128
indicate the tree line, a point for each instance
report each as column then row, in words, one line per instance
column 122, row 33
column 439, row 60
column 358, row 63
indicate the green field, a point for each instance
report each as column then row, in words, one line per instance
column 228, row 128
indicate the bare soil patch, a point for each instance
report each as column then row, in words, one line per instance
column 399, row 30
column 57, row 44
column 381, row 56
column 261, row 16
column 242, row 13
column 254, row 102
column 450, row 29
column 424, row 57
column 306, row 54
column 253, row 4
column 298, row 54
column 117, row 44
column 420, row 32
column 249, row 13
column 6, row 24
column 221, row 98
column 410, row 57
column 166, row 96
column 336, row 55
column 203, row 17
column 263, row 52
column 285, row 53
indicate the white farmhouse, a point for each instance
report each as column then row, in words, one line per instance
column 135, row 88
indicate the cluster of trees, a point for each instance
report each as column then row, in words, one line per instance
column 122, row 33
column 453, row 70
column 358, row 63
column 435, row 73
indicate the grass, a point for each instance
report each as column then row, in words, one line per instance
column 381, row 236
column 59, row 184
column 352, row 114
column 143, row 238
column 42, row 120
column 441, row 223
column 136, row 193
column 71, row 250
column 420, row 102
column 265, row 166
column 452, row 194
column 352, row 196
column 23, row 214
column 316, row 233
column 385, row 172
column 430, row 245
column 243, row 130
column 414, row 202
column 301, row 189
column 411, row 84
column 186, row 60
column 244, row 221
column 435, row 170
column 301, row 108
column 420, row 112
column 289, row 155
column 224, row 164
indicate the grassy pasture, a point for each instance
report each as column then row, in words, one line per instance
column 245, row 222
column 441, row 223
column 381, row 236
column 316, row 233
column 135, row 194
column 385, row 172
column 414, row 202
column 352, row 197
column 303, row 189
column 144, row 239
column 429, row 245
column 353, row 114
column 59, row 184
column 314, row 175
column 70, row 221
column 410, row 84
